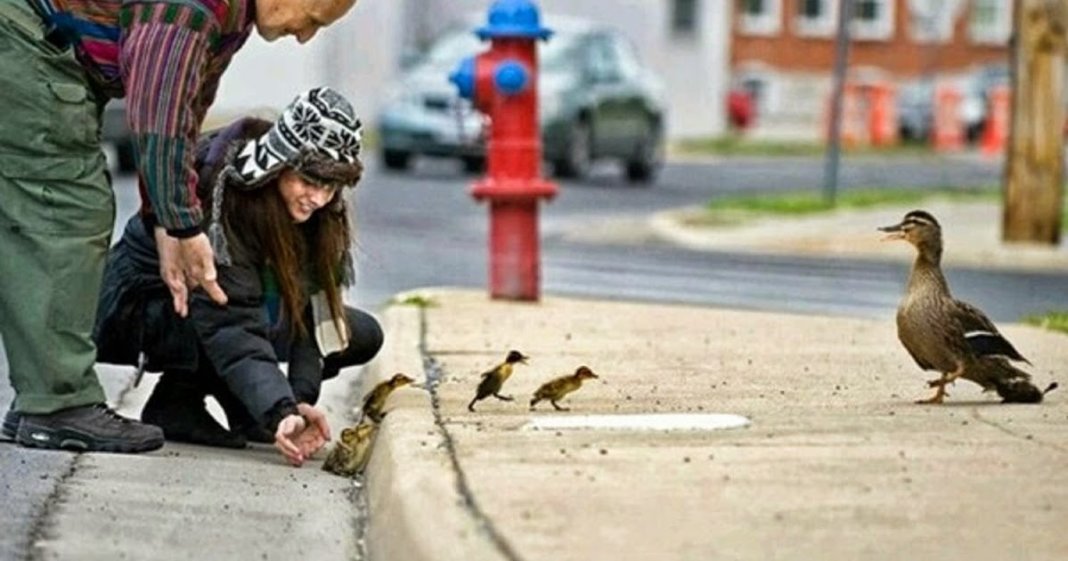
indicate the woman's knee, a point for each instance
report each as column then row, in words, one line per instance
column 365, row 339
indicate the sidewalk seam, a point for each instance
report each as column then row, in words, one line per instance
column 433, row 373
column 42, row 520
column 979, row 417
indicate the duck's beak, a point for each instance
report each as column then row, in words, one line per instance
column 895, row 232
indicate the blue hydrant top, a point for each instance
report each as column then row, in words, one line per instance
column 513, row 18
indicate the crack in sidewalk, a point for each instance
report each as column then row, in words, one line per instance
column 42, row 520
column 433, row 372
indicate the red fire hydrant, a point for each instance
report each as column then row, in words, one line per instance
column 502, row 83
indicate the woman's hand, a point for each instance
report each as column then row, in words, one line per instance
column 300, row 436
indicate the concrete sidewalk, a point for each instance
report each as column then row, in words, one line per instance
column 838, row 462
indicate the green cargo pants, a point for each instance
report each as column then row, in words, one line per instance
column 56, row 215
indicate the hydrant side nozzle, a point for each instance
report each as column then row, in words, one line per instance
column 464, row 77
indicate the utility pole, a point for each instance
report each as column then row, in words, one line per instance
column 841, row 60
column 1034, row 169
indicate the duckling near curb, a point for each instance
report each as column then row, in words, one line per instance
column 493, row 380
column 947, row 335
column 350, row 455
column 375, row 401
column 556, row 389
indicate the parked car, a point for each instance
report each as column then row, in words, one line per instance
column 916, row 101
column 596, row 101
column 915, row 110
column 976, row 102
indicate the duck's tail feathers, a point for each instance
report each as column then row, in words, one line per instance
column 1018, row 388
column 987, row 343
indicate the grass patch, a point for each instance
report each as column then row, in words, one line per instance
column 734, row 210
column 733, row 145
column 1053, row 321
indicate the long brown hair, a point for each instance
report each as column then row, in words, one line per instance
column 260, row 223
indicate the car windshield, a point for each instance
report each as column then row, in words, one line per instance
column 461, row 42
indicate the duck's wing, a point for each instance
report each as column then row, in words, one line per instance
column 980, row 333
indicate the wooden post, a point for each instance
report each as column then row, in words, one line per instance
column 1034, row 170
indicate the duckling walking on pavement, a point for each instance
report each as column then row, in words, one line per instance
column 947, row 335
column 493, row 380
column 556, row 389
column 375, row 401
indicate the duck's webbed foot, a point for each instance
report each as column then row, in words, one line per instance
column 503, row 397
column 936, row 399
column 940, row 386
column 557, row 406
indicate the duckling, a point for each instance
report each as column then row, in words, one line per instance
column 947, row 335
column 493, row 380
column 376, row 399
column 350, row 455
column 556, row 389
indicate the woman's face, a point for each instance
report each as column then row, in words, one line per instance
column 303, row 197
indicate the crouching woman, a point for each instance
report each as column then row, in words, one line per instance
column 281, row 233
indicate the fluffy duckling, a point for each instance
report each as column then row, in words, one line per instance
column 376, row 399
column 556, row 389
column 493, row 380
column 947, row 335
column 352, row 451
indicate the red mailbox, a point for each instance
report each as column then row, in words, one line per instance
column 502, row 83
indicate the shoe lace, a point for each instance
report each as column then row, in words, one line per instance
column 111, row 414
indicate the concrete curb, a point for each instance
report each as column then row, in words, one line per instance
column 411, row 511
column 971, row 233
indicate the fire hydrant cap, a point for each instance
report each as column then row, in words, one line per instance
column 510, row 77
column 464, row 77
column 513, row 18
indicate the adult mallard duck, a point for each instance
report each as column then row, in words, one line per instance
column 947, row 335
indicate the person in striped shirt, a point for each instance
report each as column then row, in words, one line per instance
column 60, row 61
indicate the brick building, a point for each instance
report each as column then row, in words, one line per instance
column 783, row 51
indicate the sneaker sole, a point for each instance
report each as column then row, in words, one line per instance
column 65, row 439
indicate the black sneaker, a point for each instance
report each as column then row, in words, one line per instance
column 186, row 422
column 90, row 428
column 11, row 424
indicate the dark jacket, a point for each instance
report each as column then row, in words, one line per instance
column 136, row 315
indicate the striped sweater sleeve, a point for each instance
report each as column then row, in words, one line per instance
column 164, row 56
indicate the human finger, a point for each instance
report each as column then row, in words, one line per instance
column 289, row 425
column 317, row 418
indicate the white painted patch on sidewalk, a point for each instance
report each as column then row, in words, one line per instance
column 659, row 421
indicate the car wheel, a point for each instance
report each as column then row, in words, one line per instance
column 576, row 160
column 398, row 160
column 648, row 157
column 473, row 164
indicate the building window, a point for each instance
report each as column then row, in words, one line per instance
column 684, row 17
column 990, row 21
column 760, row 17
column 931, row 21
column 816, row 18
column 873, row 19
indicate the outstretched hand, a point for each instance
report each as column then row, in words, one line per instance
column 300, row 436
column 185, row 264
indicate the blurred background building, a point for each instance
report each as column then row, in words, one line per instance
column 779, row 53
